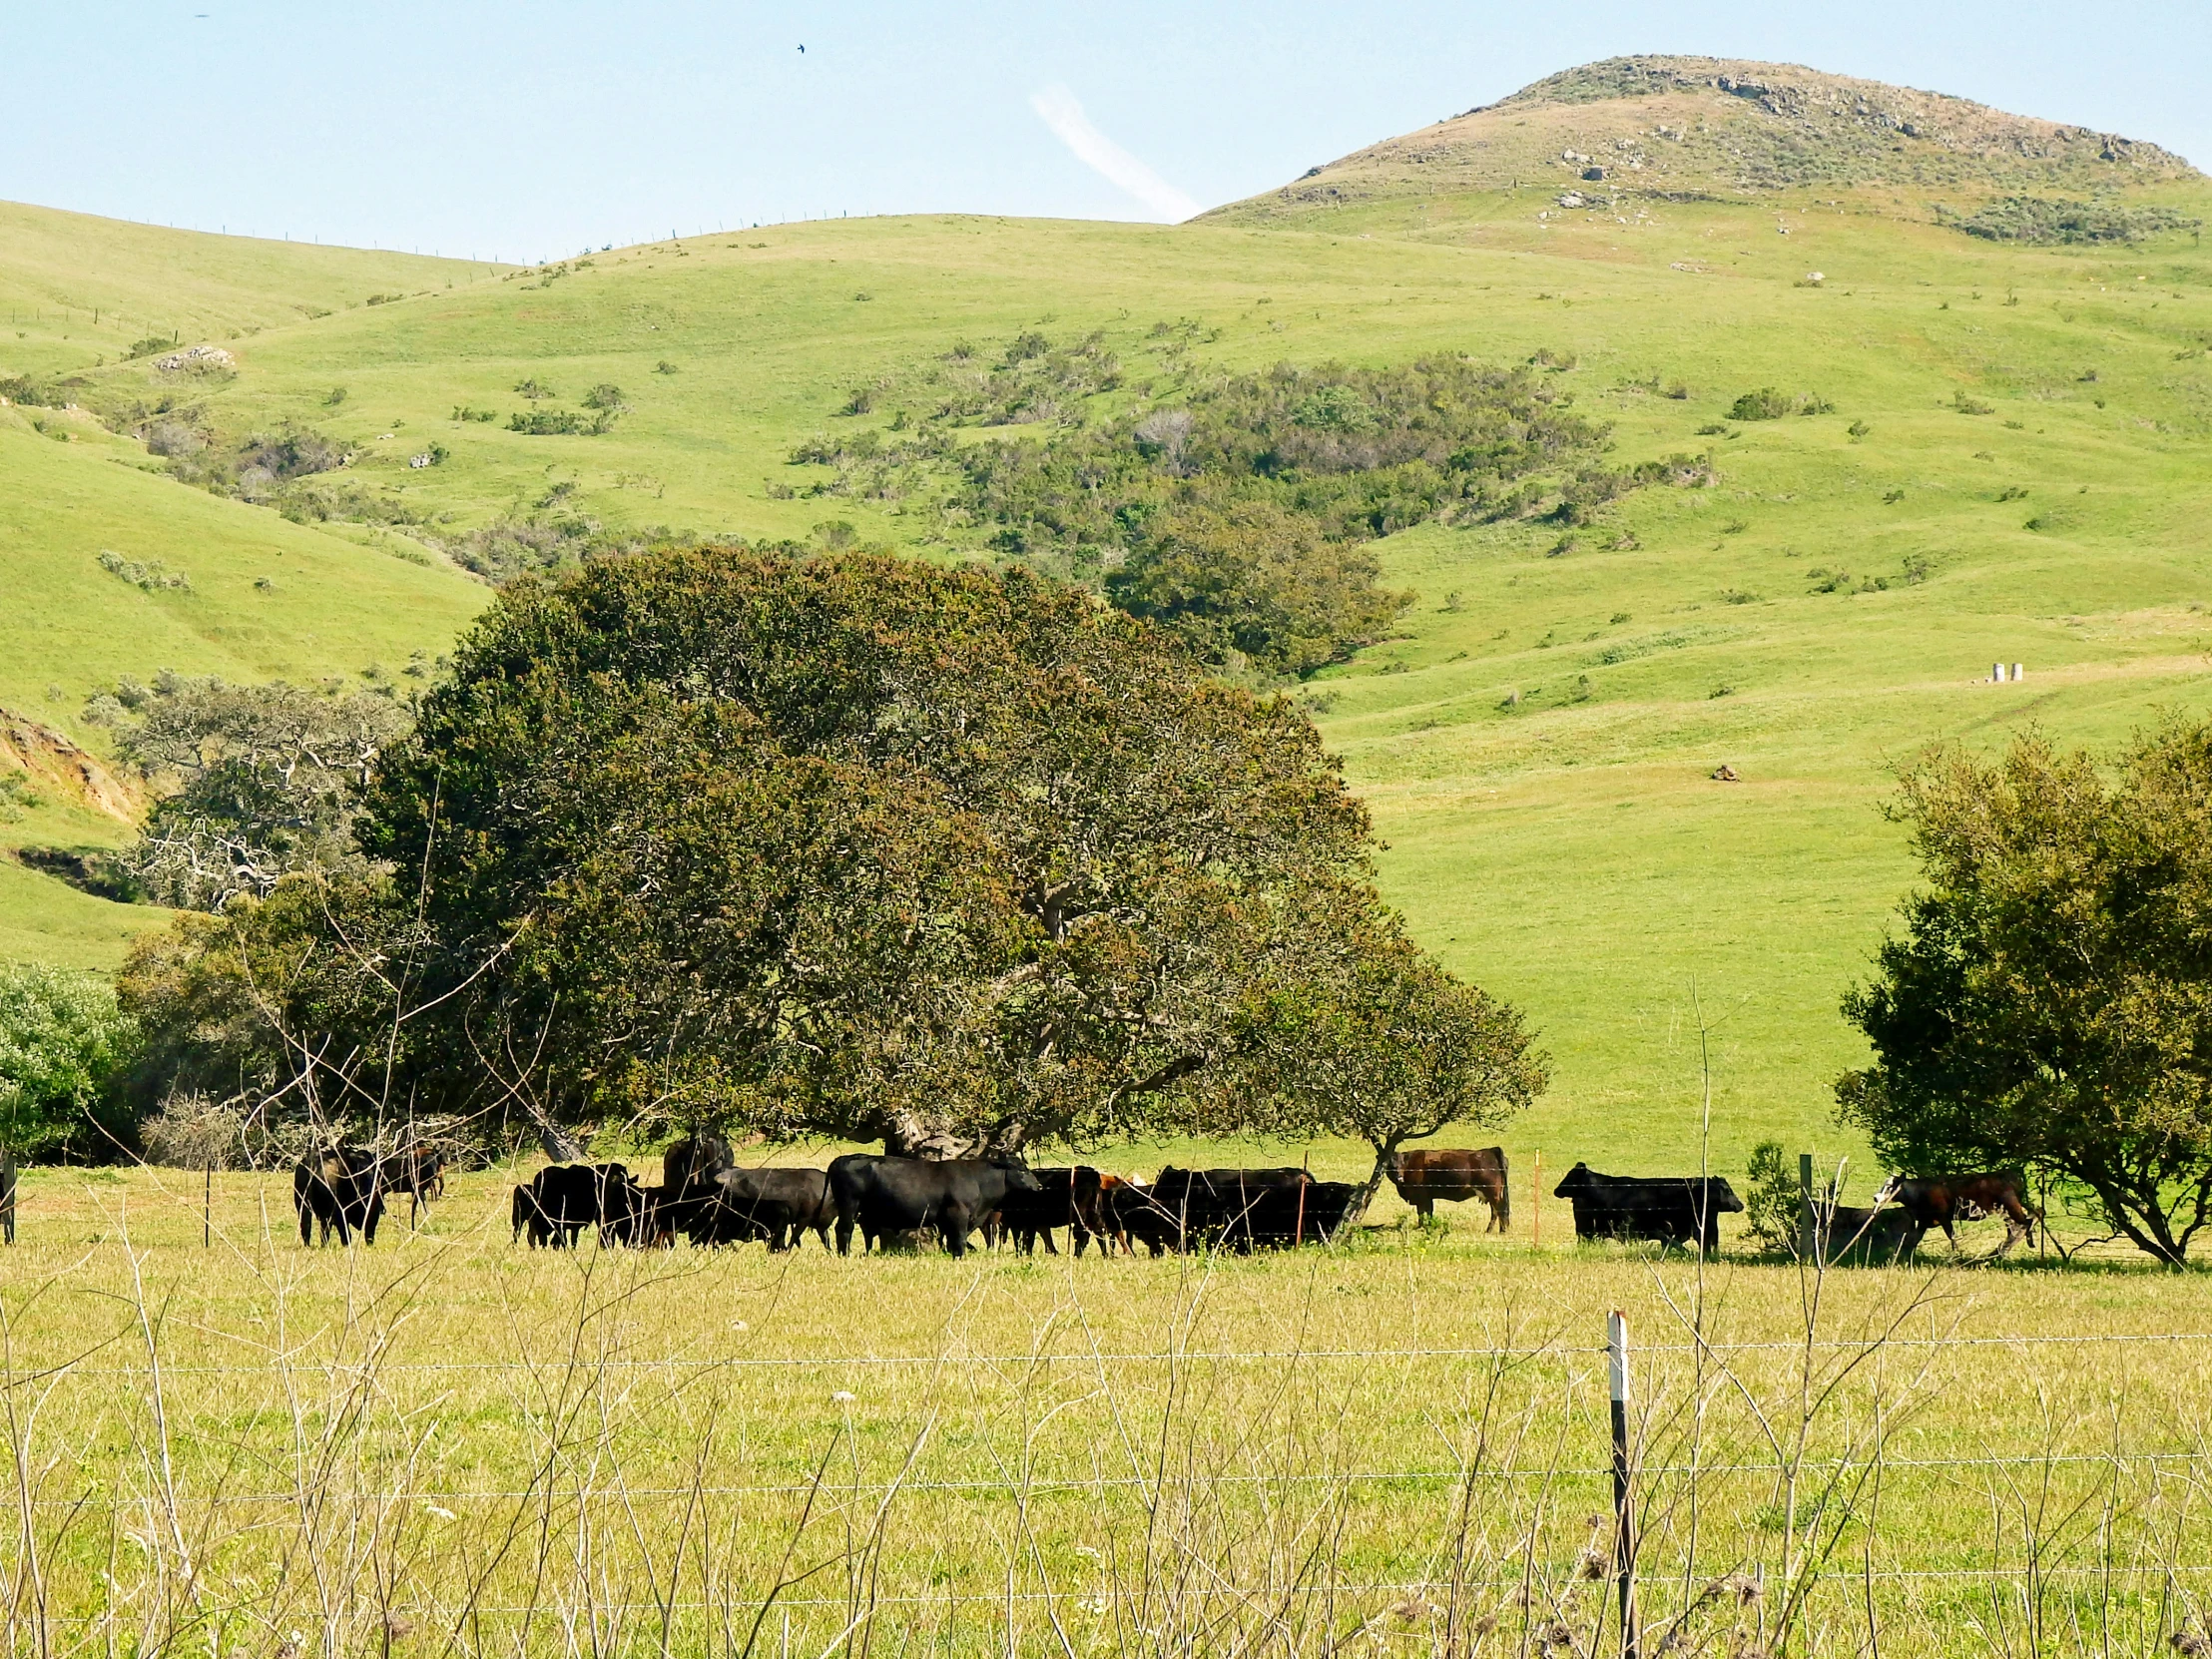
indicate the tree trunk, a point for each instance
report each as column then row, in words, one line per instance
column 908, row 1135
column 1357, row 1209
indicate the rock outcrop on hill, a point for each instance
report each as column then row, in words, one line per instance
column 1685, row 127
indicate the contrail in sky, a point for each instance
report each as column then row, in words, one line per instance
column 1060, row 111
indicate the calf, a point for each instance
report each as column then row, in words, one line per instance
column 1940, row 1200
column 1674, row 1210
column 1846, row 1232
column 1451, row 1174
column 885, row 1196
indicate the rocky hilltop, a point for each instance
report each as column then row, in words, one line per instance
column 1688, row 128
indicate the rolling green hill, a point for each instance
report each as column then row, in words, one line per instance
column 2011, row 464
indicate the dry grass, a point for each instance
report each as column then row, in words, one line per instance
column 448, row 1445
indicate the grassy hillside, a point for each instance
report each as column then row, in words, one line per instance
column 263, row 596
column 76, row 288
column 2014, row 466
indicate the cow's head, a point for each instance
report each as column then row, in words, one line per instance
column 1886, row 1190
column 1575, row 1182
column 1019, row 1177
column 1394, row 1165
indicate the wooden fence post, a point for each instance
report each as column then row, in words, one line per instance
column 1624, row 1508
column 1807, row 1232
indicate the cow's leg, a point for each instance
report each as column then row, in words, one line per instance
column 954, row 1223
column 1049, row 1248
column 845, row 1235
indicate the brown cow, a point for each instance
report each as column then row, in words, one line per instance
column 1450, row 1174
column 1939, row 1200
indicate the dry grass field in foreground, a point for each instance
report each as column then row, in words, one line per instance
column 449, row 1444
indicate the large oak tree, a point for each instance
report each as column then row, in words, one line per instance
column 853, row 846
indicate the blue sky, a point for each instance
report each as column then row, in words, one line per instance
column 529, row 130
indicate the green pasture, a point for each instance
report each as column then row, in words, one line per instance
column 1828, row 604
column 226, row 1441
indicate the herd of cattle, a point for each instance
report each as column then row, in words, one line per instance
column 709, row 1199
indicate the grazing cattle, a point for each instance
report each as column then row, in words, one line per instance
column 1095, row 1206
column 340, row 1189
column 692, row 1163
column 1447, row 1174
column 1674, row 1210
column 778, row 1205
column 1068, row 1198
column 885, row 1196
column 564, row 1199
column 419, row 1172
column 1135, row 1217
column 1243, row 1208
column 1849, row 1233
column 1940, row 1200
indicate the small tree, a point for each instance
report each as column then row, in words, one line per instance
column 62, row 1042
column 257, row 781
column 1385, row 1046
column 2050, row 1002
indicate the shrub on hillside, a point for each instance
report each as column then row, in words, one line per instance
column 559, row 423
column 21, row 388
column 1772, row 1203
column 1770, row 404
column 2036, row 219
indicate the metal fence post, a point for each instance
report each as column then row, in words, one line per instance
column 1624, row 1511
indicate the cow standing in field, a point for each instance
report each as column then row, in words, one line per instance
column 1069, row 1198
column 886, row 1196
column 340, row 1189
column 1450, row 1175
column 1673, row 1210
column 770, row 1203
column 1940, row 1200
column 564, row 1199
column 1096, row 1212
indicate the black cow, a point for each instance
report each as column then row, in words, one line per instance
column 1233, row 1209
column 418, row 1171
column 883, row 1196
column 1239, row 1208
column 1067, row 1198
column 692, row 1163
column 340, row 1189
column 774, row 1203
column 1135, row 1217
column 564, row 1199
column 1674, row 1210
column 1851, row 1233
